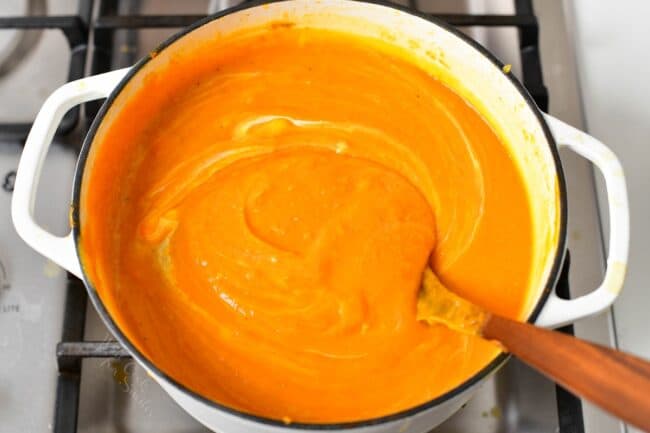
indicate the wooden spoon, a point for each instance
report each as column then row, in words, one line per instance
column 614, row 380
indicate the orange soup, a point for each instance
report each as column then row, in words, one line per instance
column 257, row 222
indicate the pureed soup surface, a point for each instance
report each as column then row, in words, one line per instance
column 258, row 227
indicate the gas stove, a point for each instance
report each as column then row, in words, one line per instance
column 60, row 369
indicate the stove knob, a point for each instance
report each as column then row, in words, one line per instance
column 8, row 181
column 4, row 278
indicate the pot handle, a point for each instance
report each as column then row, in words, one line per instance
column 557, row 311
column 60, row 250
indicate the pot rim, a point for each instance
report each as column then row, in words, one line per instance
column 492, row 367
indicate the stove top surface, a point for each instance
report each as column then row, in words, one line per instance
column 31, row 299
column 40, row 305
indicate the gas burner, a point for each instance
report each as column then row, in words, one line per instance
column 28, row 70
column 16, row 45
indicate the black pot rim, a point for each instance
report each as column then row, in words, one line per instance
column 486, row 371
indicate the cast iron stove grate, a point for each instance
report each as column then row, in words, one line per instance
column 75, row 28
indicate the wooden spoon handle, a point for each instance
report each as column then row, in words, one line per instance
column 616, row 381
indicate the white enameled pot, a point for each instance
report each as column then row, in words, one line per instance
column 445, row 53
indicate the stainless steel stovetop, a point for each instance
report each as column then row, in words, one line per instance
column 116, row 395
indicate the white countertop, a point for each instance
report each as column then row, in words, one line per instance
column 613, row 64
